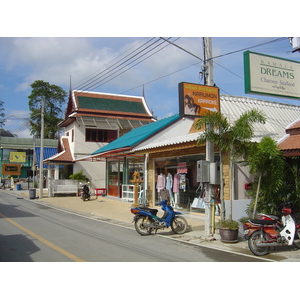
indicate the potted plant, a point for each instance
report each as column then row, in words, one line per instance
column 228, row 230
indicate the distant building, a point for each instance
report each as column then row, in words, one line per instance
column 23, row 154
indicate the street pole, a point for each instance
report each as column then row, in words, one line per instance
column 42, row 152
column 208, row 80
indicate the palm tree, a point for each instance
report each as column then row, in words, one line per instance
column 233, row 139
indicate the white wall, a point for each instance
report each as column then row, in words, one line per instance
column 95, row 171
column 238, row 208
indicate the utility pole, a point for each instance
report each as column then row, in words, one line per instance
column 42, row 152
column 208, row 80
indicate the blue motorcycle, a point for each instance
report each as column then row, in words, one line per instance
column 146, row 219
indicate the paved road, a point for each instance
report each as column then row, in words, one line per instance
column 30, row 231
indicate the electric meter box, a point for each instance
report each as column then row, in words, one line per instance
column 214, row 174
column 203, row 171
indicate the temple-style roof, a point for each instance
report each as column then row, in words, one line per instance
column 103, row 105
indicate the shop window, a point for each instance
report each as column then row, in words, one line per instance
column 98, row 135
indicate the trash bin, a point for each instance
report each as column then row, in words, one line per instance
column 18, row 186
column 32, row 194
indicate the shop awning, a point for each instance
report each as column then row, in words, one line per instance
column 125, row 143
column 48, row 152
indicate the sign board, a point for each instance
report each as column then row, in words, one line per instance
column 272, row 76
column 11, row 169
column 197, row 99
column 17, row 157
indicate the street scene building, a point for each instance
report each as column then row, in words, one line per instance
column 93, row 120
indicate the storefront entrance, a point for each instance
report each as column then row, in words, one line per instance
column 120, row 174
column 115, row 177
column 177, row 176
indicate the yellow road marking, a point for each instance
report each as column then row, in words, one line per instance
column 62, row 251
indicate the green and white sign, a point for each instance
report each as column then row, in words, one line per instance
column 272, row 76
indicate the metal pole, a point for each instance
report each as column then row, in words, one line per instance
column 42, row 152
column 208, row 80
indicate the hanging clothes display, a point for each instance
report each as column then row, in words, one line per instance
column 161, row 182
column 169, row 184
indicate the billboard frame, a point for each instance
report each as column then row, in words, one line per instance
column 272, row 80
column 207, row 96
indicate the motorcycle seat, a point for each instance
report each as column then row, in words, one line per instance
column 263, row 222
column 153, row 211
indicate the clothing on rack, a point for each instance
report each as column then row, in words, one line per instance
column 169, row 184
column 176, row 183
column 161, row 182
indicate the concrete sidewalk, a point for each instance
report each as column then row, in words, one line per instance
column 118, row 212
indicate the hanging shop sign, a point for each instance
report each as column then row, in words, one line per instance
column 197, row 99
column 11, row 169
column 270, row 75
column 182, row 168
column 17, row 157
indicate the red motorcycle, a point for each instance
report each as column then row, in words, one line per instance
column 269, row 231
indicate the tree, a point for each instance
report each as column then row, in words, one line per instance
column 54, row 97
column 6, row 133
column 231, row 138
column 266, row 161
column 2, row 114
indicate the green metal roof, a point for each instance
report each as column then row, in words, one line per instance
column 111, row 105
column 137, row 135
column 25, row 143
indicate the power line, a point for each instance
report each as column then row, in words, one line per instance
column 131, row 66
column 135, row 44
column 247, row 48
column 119, row 69
column 112, row 65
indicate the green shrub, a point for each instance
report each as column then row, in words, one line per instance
column 228, row 224
column 79, row 176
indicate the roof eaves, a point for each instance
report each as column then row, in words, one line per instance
column 137, row 135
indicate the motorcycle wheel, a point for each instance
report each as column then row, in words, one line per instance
column 256, row 238
column 297, row 239
column 179, row 225
column 139, row 225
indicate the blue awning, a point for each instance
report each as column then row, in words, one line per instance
column 48, row 152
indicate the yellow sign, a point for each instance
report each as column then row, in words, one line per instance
column 197, row 99
column 17, row 157
column 11, row 169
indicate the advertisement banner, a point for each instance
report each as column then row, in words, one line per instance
column 17, row 157
column 11, row 169
column 197, row 99
column 270, row 75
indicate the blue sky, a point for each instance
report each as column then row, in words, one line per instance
column 26, row 56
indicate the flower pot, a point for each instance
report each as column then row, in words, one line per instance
column 228, row 235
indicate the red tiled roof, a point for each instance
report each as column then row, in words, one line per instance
column 290, row 145
column 65, row 155
column 292, row 142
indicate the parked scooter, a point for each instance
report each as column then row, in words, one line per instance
column 146, row 219
column 84, row 192
column 268, row 231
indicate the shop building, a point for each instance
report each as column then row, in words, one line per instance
column 121, row 163
column 19, row 157
column 172, row 150
column 176, row 147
